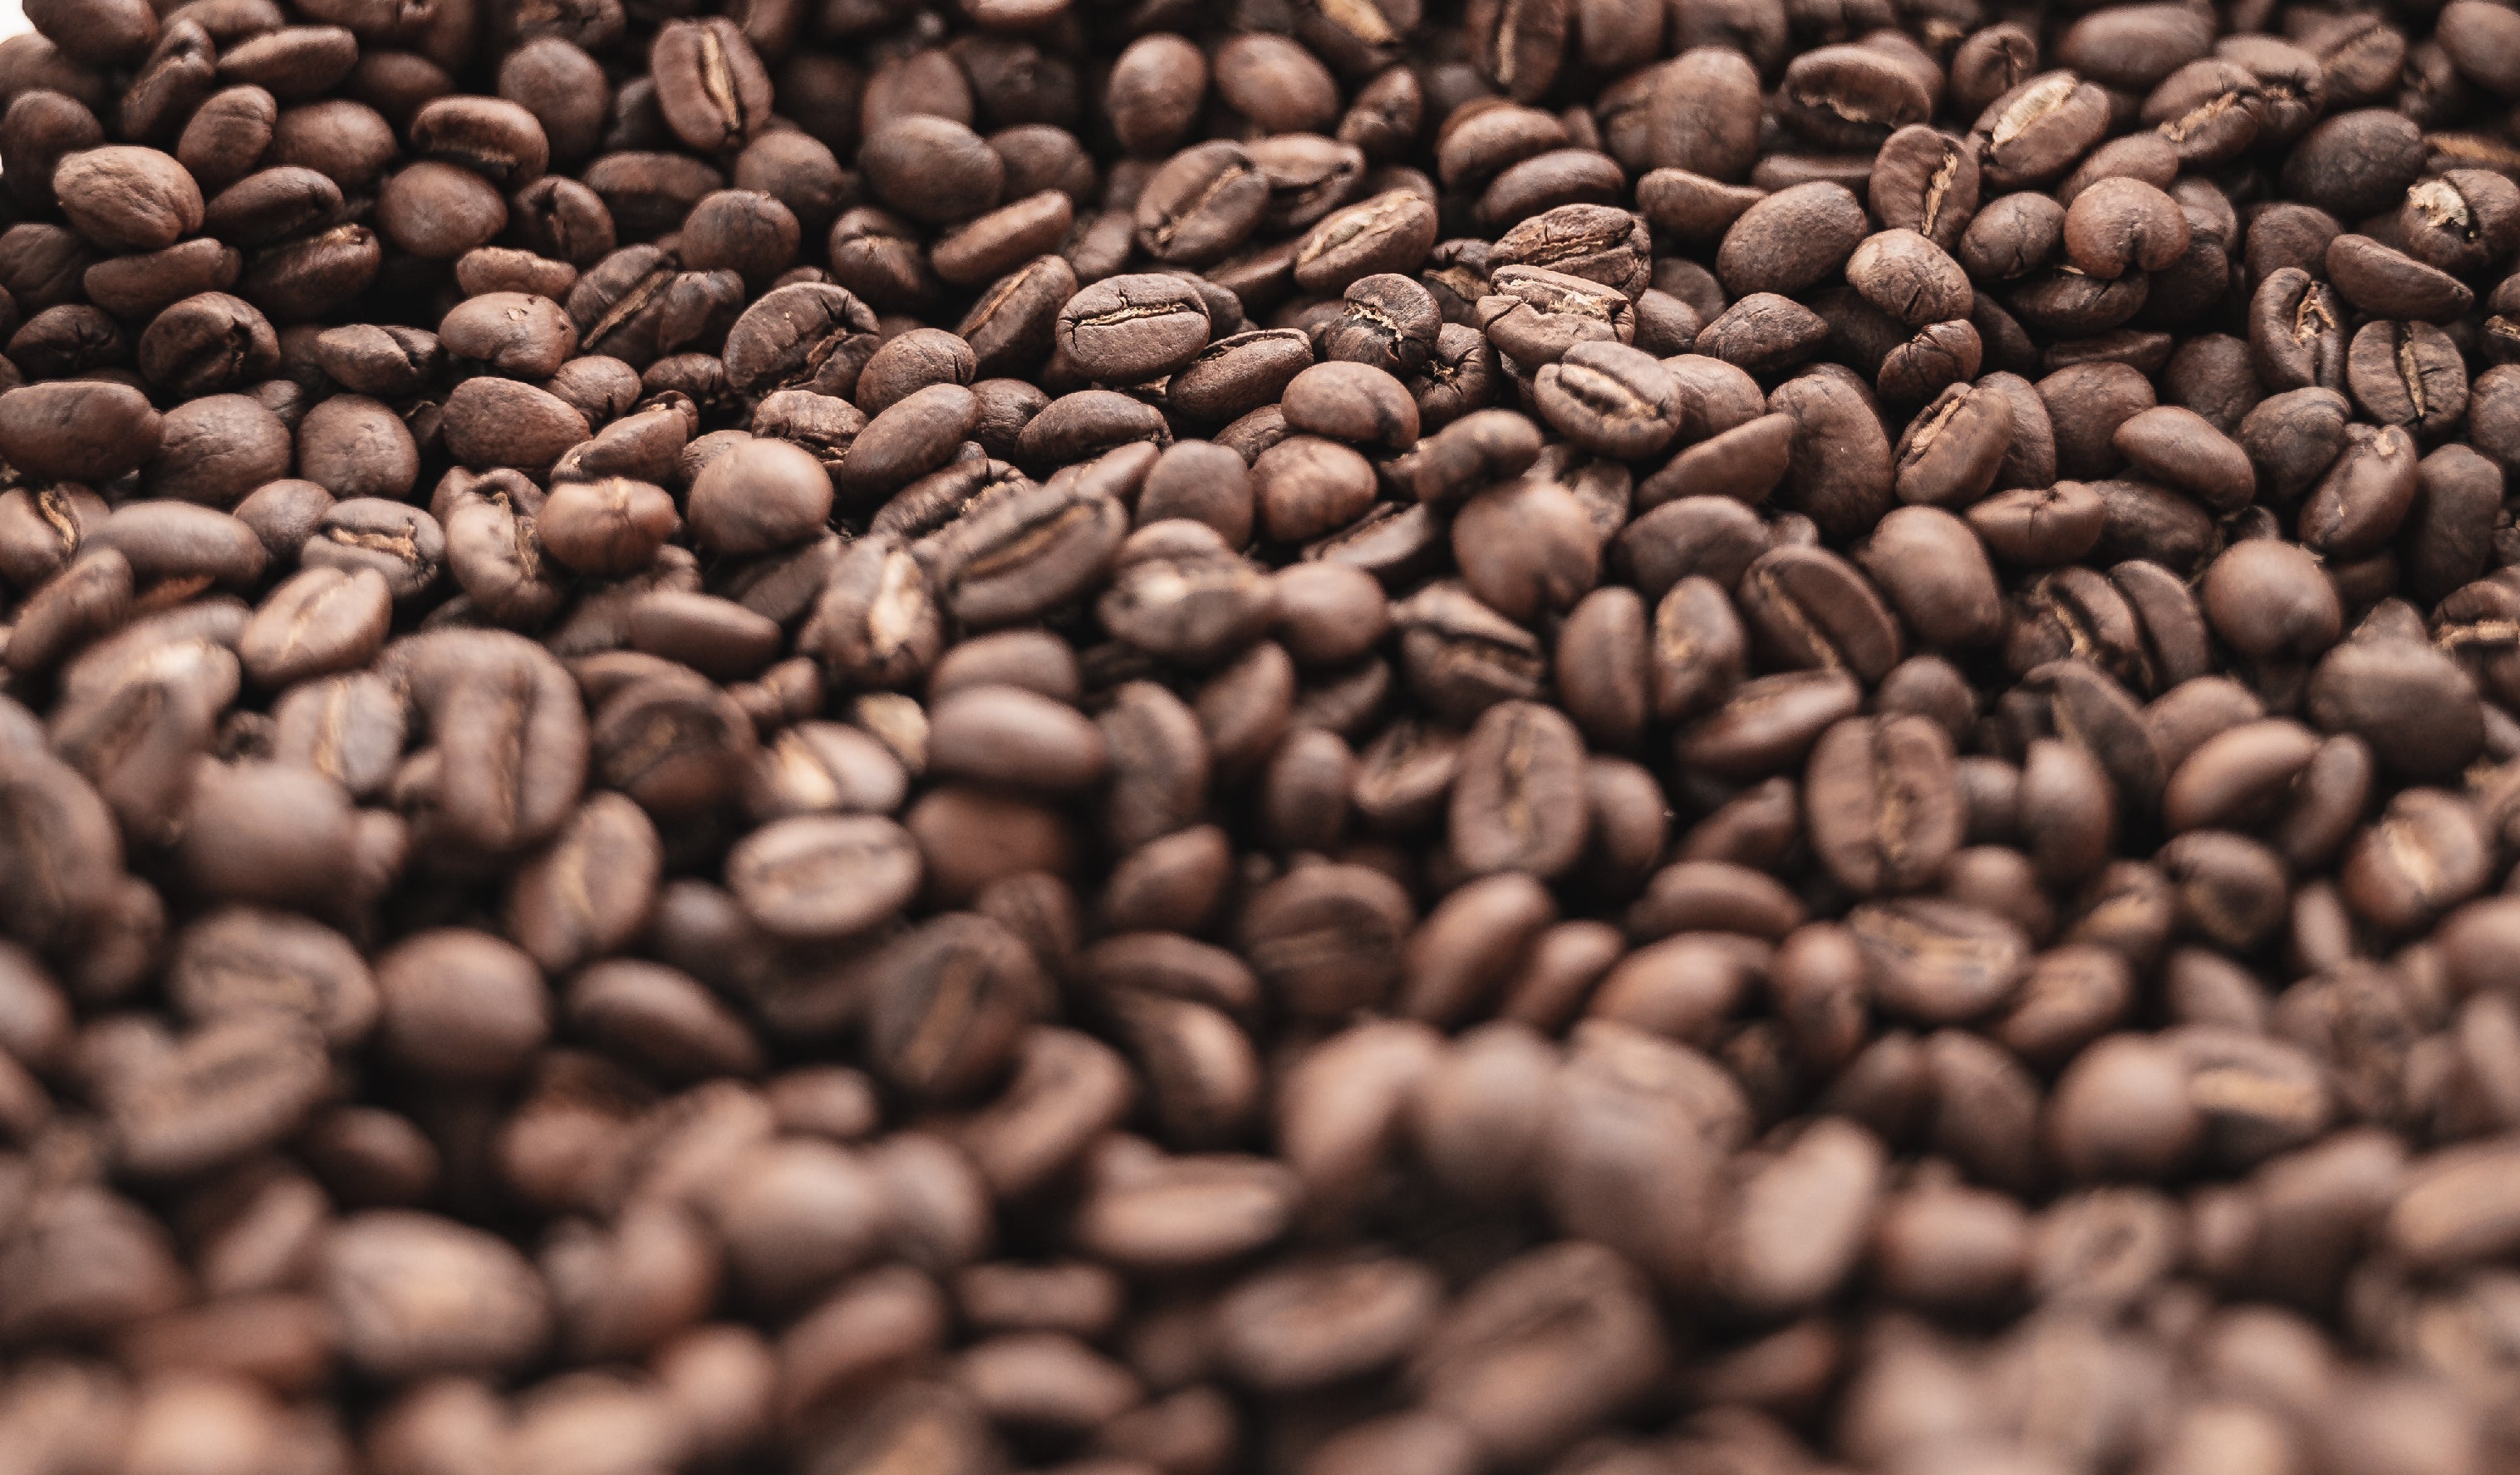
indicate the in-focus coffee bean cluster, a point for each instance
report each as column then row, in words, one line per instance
column 1581, row 737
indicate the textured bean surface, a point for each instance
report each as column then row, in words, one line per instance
column 1287, row 737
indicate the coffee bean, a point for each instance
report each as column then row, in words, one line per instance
column 1130, row 328
column 1851, row 97
column 1514, row 805
column 1580, row 1310
column 386, row 1275
column 510, row 739
column 1519, row 50
column 1811, row 608
column 128, row 199
column 807, row 335
column 1389, row 322
column 1389, row 233
column 2379, row 280
column 1935, row 573
column 2120, row 225
column 2180, row 447
column 78, row 431
column 2363, row 496
column 1610, row 399
column 1790, row 240
column 323, row 620
column 2408, row 374
column 1885, row 814
column 1308, row 486
column 1926, row 182
column 2035, row 131
column 1200, row 204
column 1026, row 552
column 824, row 876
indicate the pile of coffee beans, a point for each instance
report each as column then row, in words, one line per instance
column 1259, row 738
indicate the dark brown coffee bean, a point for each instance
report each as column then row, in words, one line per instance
column 128, row 199
column 78, row 431
column 2408, row 374
column 1883, row 810
column 508, row 772
column 710, row 86
column 1609, row 399
column 1935, row 572
column 2355, row 163
column 1520, row 51
column 1390, row 233
column 824, row 876
column 1308, row 486
column 1702, row 114
column 1578, row 1308
column 386, row 1273
column 1201, row 204
column 1351, row 402
column 326, row 619
column 1808, row 609
column 2363, row 497
column 2180, row 447
column 1840, row 473
column 2391, row 284
column 1389, row 322
column 1131, row 329
column 1769, row 723
column 808, row 336
column 1939, row 960
column 1953, row 450
column 1514, row 806
column 1791, row 240
column 1078, row 427
column 502, row 423
column 2363, row 687
column 1926, row 182
column 1908, row 276
column 2037, row 130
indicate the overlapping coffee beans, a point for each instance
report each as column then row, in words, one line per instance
column 1292, row 737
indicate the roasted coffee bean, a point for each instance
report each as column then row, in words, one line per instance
column 2038, row 129
column 1808, row 608
column 509, row 744
column 388, row 1275
column 1515, row 805
column 1388, row 322
column 1935, row 573
column 1131, row 329
column 1954, row 449
column 2363, row 496
column 1609, row 399
column 1908, row 276
column 1884, row 811
column 1389, row 233
column 1851, row 97
column 1791, row 240
column 1351, row 402
column 2378, row 280
column 1201, row 204
column 2408, row 374
column 824, row 876
column 2120, row 225
column 807, row 335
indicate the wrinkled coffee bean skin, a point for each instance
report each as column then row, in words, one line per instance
column 1330, row 738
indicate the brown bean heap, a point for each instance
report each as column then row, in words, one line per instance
column 1286, row 737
